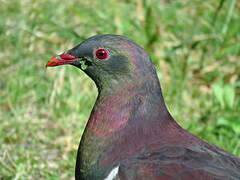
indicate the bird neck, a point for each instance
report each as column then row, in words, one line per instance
column 119, row 114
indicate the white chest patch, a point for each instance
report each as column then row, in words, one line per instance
column 113, row 173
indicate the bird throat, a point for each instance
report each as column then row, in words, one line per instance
column 115, row 116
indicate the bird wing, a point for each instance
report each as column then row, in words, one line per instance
column 179, row 163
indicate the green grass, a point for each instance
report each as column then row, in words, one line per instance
column 195, row 46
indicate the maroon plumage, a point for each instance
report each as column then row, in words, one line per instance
column 130, row 134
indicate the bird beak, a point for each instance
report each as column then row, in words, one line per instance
column 62, row 59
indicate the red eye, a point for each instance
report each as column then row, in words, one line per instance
column 101, row 54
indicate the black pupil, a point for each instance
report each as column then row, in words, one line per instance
column 101, row 53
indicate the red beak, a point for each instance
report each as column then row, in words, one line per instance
column 61, row 60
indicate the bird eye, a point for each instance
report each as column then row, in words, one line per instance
column 101, row 54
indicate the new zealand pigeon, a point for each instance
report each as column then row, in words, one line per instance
column 130, row 134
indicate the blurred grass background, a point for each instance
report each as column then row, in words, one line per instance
column 195, row 46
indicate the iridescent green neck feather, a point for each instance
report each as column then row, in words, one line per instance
column 129, row 91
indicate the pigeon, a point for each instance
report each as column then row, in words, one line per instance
column 130, row 134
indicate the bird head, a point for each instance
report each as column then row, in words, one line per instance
column 108, row 58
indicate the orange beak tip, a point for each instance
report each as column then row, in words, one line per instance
column 50, row 63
